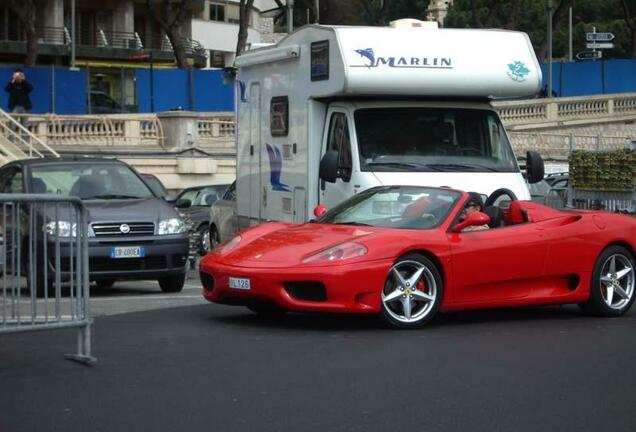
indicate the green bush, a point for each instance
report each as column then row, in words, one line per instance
column 603, row 171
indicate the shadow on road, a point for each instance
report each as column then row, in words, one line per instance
column 241, row 317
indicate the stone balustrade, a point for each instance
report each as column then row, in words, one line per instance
column 570, row 111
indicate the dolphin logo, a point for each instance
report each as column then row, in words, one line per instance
column 368, row 54
column 276, row 165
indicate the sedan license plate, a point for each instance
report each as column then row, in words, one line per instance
column 239, row 283
column 127, row 252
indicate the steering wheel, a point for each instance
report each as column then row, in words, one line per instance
column 499, row 193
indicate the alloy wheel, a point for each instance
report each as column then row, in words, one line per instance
column 617, row 281
column 410, row 292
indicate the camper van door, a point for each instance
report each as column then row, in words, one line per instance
column 338, row 136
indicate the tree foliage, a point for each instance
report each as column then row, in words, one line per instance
column 614, row 16
column 25, row 10
column 171, row 15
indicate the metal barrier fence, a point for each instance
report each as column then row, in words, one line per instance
column 44, row 259
column 615, row 202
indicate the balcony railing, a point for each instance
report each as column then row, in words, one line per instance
column 45, row 35
column 105, row 39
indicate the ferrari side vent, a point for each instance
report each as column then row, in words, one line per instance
column 306, row 291
column 207, row 281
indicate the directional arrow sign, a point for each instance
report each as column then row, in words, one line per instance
column 601, row 37
column 596, row 45
column 589, row 55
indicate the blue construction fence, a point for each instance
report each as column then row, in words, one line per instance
column 592, row 77
column 63, row 91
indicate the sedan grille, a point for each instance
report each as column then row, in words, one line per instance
column 124, row 229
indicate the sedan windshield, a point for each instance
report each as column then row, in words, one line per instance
column 89, row 180
column 407, row 207
column 432, row 139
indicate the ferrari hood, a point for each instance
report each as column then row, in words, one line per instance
column 289, row 245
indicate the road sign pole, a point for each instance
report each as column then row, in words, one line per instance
column 570, row 34
column 594, row 49
column 549, row 88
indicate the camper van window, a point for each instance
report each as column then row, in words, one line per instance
column 339, row 141
column 320, row 60
column 432, row 139
column 279, row 116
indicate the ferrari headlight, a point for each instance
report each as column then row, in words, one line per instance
column 171, row 226
column 61, row 229
column 340, row 252
column 228, row 246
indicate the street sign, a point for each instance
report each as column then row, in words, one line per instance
column 589, row 55
column 599, row 37
column 596, row 45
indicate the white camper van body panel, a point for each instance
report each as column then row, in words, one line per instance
column 277, row 173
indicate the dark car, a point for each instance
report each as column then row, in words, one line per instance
column 155, row 184
column 133, row 234
column 194, row 203
column 102, row 103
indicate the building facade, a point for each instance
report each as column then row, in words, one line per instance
column 114, row 38
column 437, row 10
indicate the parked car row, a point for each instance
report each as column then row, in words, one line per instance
column 137, row 230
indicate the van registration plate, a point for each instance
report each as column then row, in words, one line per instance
column 239, row 283
column 127, row 252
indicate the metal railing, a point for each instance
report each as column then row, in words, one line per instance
column 45, row 35
column 17, row 141
column 45, row 275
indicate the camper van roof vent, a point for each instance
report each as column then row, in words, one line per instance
column 413, row 23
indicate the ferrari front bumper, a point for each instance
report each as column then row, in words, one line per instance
column 353, row 288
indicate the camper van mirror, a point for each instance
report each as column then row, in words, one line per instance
column 329, row 166
column 535, row 169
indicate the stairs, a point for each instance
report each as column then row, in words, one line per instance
column 17, row 142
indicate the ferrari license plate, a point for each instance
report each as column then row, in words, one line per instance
column 239, row 283
column 127, row 252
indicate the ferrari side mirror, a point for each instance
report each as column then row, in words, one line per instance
column 473, row 219
column 320, row 210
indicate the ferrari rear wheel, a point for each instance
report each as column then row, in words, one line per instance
column 613, row 282
column 412, row 292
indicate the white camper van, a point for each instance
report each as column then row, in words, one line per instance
column 330, row 111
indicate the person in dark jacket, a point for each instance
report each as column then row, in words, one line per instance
column 19, row 100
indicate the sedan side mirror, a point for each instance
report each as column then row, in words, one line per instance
column 183, row 203
column 473, row 219
column 171, row 199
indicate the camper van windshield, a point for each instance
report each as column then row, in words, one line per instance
column 432, row 139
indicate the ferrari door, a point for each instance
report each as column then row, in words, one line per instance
column 494, row 266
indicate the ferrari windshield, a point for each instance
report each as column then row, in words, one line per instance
column 407, row 207
column 432, row 139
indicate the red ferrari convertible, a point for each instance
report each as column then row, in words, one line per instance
column 408, row 252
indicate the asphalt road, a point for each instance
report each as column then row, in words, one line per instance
column 207, row 367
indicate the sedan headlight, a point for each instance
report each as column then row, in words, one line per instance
column 63, row 229
column 340, row 252
column 171, row 226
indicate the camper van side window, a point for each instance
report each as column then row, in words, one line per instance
column 339, row 141
column 279, row 116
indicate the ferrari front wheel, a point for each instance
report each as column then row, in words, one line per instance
column 412, row 292
column 613, row 282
